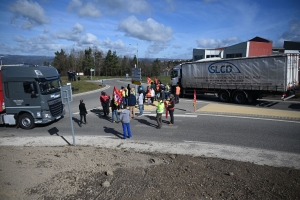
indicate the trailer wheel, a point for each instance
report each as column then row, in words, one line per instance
column 239, row 97
column 26, row 121
column 224, row 96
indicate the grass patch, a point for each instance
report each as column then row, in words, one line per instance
column 84, row 85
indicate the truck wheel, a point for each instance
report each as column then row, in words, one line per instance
column 224, row 96
column 239, row 97
column 26, row 121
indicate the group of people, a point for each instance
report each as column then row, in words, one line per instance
column 72, row 75
column 129, row 99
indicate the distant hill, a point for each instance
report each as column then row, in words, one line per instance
column 19, row 59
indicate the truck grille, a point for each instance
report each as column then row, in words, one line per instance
column 56, row 107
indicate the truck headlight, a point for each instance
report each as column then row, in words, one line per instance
column 38, row 114
column 47, row 115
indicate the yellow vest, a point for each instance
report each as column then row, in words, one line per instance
column 160, row 107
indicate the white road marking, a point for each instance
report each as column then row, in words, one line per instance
column 154, row 126
column 176, row 115
column 266, row 119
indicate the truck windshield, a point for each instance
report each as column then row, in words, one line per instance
column 174, row 73
column 49, row 87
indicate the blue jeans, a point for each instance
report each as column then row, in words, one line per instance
column 115, row 112
column 141, row 109
column 126, row 127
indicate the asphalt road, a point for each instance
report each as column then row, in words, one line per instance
column 267, row 125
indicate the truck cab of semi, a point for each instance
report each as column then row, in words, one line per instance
column 175, row 77
column 30, row 95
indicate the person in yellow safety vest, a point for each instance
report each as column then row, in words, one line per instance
column 122, row 91
column 177, row 93
column 159, row 111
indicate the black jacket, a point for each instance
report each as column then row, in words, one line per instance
column 82, row 109
column 113, row 105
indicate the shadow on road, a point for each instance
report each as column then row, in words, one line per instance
column 54, row 131
column 113, row 131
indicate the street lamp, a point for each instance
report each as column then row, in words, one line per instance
column 137, row 61
column 137, row 55
column 1, row 59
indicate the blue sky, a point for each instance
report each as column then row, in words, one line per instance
column 149, row 28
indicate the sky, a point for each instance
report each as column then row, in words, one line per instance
column 146, row 28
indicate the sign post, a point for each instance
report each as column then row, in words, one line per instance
column 66, row 96
column 92, row 70
column 136, row 77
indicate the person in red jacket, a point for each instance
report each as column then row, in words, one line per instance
column 105, row 99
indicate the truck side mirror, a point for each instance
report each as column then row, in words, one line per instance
column 33, row 92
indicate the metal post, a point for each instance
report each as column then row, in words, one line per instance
column 71, row 122
column 137, row 61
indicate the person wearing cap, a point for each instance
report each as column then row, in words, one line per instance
column 171, row 105
column 125, row 119
column 159, row 111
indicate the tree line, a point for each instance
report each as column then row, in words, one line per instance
column 107, row 65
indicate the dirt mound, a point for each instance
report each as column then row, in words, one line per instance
column 96, row 173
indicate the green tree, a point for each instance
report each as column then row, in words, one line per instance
column 98, row 61
column 60, row 61
column 46, row 63
column 115, row 67
column 87, row 62
column 107, row 62
column 155, row 67
column 123, row 66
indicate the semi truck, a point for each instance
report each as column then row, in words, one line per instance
column 29, row 95
column 240, row 80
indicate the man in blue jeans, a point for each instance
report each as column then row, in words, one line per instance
column 125, row 119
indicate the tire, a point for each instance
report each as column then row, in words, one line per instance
column 239, row 97
column 26, row 121
column 224, row 96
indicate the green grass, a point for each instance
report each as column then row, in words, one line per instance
column 84, row 86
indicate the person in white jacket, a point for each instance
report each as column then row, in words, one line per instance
column 140, row 101
column 152, row 95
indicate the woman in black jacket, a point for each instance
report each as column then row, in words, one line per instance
column 82, row 112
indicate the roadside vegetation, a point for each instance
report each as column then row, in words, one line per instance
column 109, row 64
column 87, row 83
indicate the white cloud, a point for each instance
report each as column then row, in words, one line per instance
column 33, row 14
column 73, row 35
column 214, row 43
column 293, row 34
column 77, row 28
column 84, row 9
column 89, row 39
column 131, row 6
column 148, row 30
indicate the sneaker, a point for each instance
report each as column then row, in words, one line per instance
column 170, row 124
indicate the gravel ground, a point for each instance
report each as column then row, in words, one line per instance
column 86, row 172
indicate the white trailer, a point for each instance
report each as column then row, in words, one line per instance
column 239, row 79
